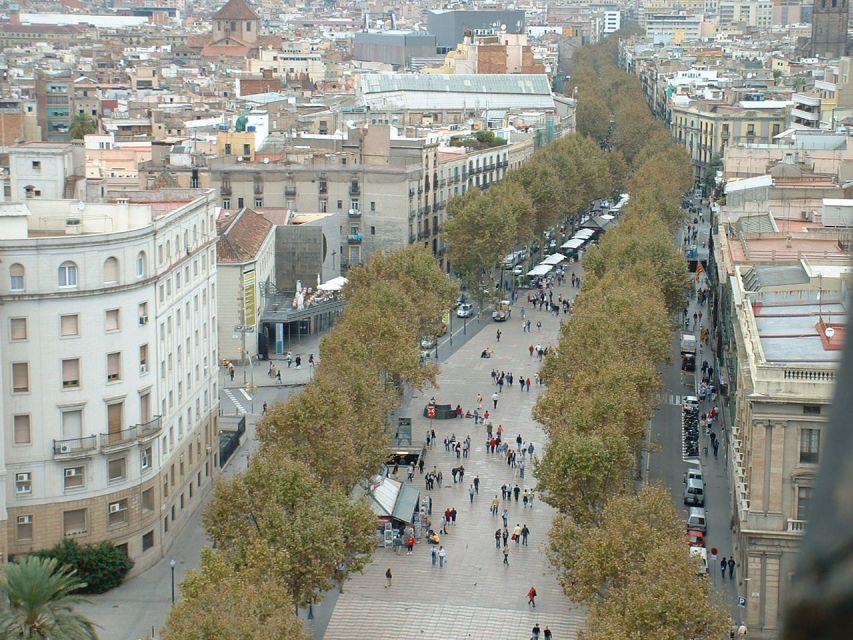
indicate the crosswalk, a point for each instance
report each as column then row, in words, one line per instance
column 229, row 393
column 670, row 399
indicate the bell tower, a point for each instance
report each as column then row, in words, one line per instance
column 829, row 28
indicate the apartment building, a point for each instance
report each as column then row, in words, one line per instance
column 109, row 359
column 389, row 190
column 707, row 128
column 784, row 326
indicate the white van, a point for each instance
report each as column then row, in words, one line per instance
column 694, row 492
column 702, row 554
column 694, row 473
column 696, row 519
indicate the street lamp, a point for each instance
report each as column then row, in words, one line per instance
column 172, row 564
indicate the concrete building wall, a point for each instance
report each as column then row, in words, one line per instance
column 449, row 27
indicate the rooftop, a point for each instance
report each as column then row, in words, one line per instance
column 241, row 235
column 236, row 10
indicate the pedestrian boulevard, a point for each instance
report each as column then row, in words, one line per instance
column 474, row 595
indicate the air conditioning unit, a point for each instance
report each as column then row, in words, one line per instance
column 71, row 473
column 25, row 519
column 65, row 448
column 115, row 507
column 143, row 320
column 22, row 477
column 143, row 369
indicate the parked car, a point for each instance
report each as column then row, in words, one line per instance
column 428, row 342
column 696, row 519
column 518, row 270
column 695, row 539
column 702, row 555
column 461, row 299
column 465, row 310
column 694, row 492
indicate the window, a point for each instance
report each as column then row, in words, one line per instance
column 74, row 522
column 22, row 429
column 113, row 367
column 147, row 540
column 72, row 423
column 69, row 325
column 23, row 483
column 811, row 409
column 16, row 277
column 809, row 445
column 259, row 202
column 36, row 165
column 68, row 274
column 71, row 373
column 25, row 528
column 145, row 458
column 372, row 205
column 74, row 478
column 117, row 513
column 116, row 469
column 142, row 310
column 18, row 329
column 110, row 271
column 115, row 420
column 148, row 499
column 804, row 498
column 111, row 322
column 226, row 202
column 143, row 360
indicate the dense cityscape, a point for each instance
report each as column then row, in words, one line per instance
column 450, row 320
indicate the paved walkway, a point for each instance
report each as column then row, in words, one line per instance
column 138, row 608
column 475, row 595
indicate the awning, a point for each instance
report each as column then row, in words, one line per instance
column 407, row 503
column 584, row 234
column 554, row 258
column 335, row 284
column 540, row 270
column 392, row 499
column 574, row 243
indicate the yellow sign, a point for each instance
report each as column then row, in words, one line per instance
column 249, row 302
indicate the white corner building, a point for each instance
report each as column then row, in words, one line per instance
column 108, row 369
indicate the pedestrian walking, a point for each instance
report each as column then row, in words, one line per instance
column 505, row 535
column 531, row 597
column 547, row 633
column 524, row 533
column 723, row 564
column 495, row 400
column 498, row 335
column 410, row 543
column 495, row 505
column 506, row 556
column 498, row 533
column 516, row 490
column 516, row 534
column 388, row 577
column 505, row 517
column 477, row 484
column 434, row 555
column 471, row 492
column 442, row 556
column 479, row 401
column 731, row 568
column 535, row 631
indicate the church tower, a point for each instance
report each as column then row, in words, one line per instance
column 237, row 21
column 829, row 28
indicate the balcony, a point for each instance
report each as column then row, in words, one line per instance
column 354, row 238
column 291, row 191
column 354, row 190
column 117, row 440
column 354, row 213
column 259, row 188
column 797, row 526
column 75, row 447
column 225, row 189
column 324, row 188
column 151, row 428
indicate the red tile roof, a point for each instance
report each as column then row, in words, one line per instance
column 236, row 10
column 241, row 235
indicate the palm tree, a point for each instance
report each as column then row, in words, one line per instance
column 82, row 125
column 36, row 602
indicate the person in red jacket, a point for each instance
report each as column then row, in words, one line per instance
column 531, row 597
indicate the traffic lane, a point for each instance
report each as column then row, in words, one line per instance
column 460, row 331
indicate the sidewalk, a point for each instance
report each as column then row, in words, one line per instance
column 475, row 595
column 138, row 609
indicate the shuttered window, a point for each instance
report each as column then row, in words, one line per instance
column 69, row 325
column 113, row 367
column 110, row 271
column 20, row 377
column 70, row 373
column 22, row 429
column 18, row 328
column 114, row 412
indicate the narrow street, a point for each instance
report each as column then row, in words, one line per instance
column 667, row 464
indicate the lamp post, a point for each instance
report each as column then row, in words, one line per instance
column 172, row 564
